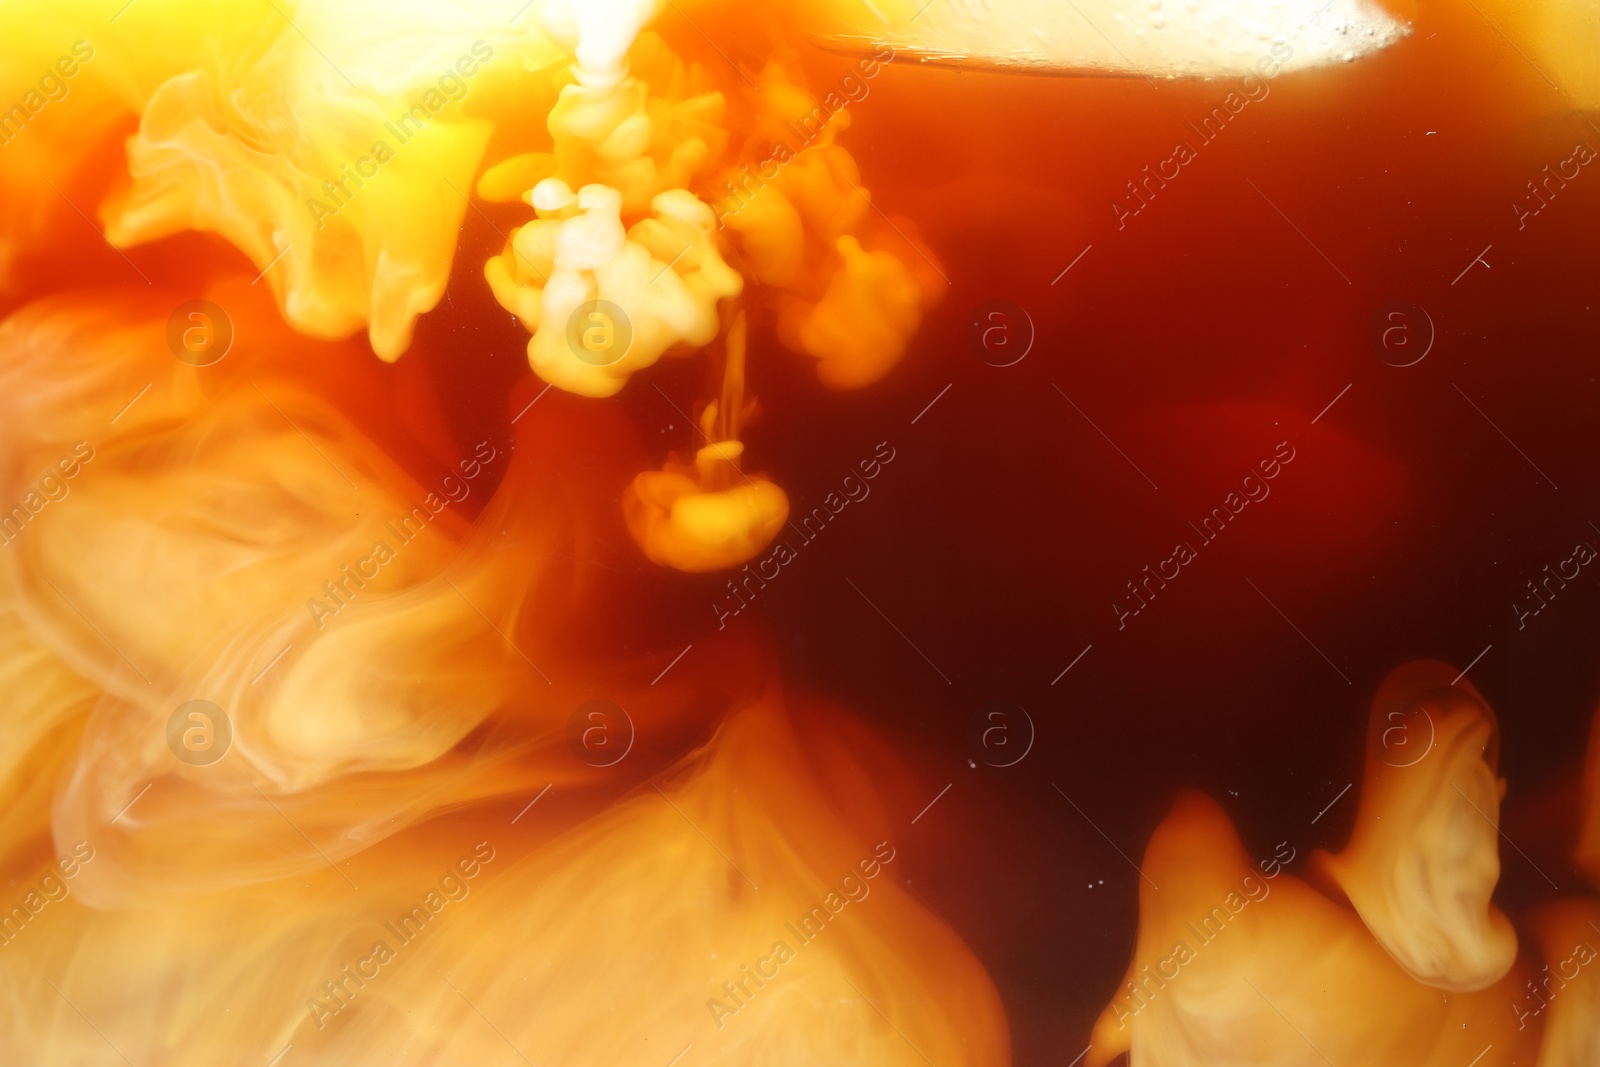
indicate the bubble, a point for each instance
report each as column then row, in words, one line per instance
column 1406, row 736
column 1000, row 333
column 199, row 733
column 1400, row 333
column 599, row 332
column 199, row 333
column 1000, row 733
column 600, row 733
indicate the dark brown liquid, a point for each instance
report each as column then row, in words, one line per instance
column 1180, row 352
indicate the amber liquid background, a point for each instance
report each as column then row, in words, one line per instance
column 1196, row 338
